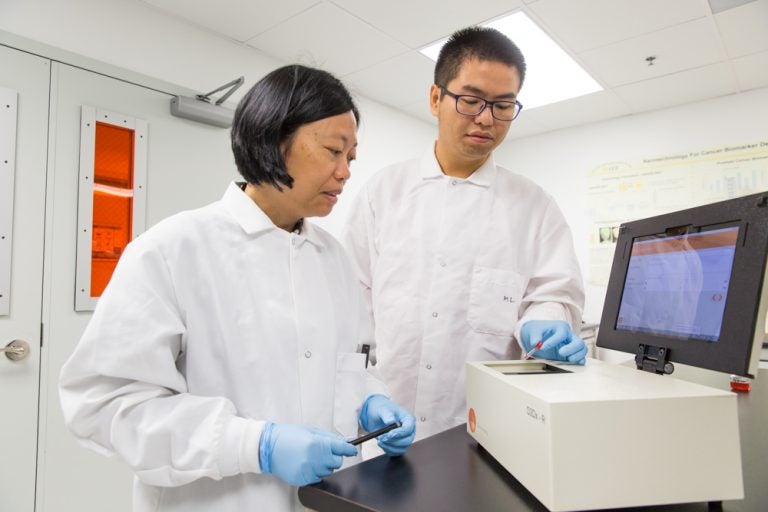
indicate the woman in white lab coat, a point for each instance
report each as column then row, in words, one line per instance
column 222, row 362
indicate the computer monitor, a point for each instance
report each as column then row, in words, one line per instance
column 688, row 287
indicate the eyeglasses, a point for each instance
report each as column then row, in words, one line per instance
column 469, row 105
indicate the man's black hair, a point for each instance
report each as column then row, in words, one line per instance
column 480, row 43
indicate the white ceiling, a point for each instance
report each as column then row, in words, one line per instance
column 702, row 48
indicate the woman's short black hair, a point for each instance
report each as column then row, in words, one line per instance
column 482, row 43
column 271, row 112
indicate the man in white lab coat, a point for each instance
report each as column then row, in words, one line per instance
column 461, row 259
column 222, row 362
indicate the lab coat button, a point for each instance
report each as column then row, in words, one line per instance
column 434, row 315
column 423, row 418
column 454, row 182
column 429, row 367
column 307, row 354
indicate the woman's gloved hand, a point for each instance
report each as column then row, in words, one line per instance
column 301, row 455
column 559, row 341
column 379, row 411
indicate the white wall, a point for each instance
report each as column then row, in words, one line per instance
column 133, row 36
column 561, row 160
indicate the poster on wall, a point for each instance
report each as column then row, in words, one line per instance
column 624, row 191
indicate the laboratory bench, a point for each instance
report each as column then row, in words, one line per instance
column 451, row 472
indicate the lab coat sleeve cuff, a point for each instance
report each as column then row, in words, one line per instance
column 249, row 446
column 239, row 447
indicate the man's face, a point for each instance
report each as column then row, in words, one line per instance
column 468, row 140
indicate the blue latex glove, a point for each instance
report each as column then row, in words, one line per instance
column 301, row 455
column 560, row 343
column 379, row 411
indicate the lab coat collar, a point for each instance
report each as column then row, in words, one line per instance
column 429, row 166
column 254, row 221
column 310, row 234
column 484, row 176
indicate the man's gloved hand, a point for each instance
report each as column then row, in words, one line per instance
column 560, row 343
column 301, row 455
column 379, row 411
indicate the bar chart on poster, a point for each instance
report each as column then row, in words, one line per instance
column 622, row 191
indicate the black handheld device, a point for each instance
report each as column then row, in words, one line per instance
column 375, row 433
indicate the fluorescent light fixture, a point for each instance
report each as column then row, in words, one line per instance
column 551, row 74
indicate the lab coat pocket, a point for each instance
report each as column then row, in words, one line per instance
column 494, row 300
column 350, row 392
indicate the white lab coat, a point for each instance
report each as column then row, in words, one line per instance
column 215, row 320
column 451, row 268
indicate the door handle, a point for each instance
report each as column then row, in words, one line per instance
column 16, row 350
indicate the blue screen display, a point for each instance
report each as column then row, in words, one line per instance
column 677, row 286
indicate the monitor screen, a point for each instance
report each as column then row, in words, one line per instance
column 677, row 286
column 691, row 287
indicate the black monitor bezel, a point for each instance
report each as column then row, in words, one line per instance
column 732, row 353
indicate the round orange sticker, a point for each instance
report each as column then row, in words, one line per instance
column 472, row 420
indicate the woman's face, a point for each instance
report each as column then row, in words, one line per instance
column 318, row 157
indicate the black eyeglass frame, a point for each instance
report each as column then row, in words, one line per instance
column 486, row 103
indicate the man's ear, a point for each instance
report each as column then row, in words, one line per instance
column 434, row 99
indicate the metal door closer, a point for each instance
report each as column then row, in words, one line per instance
column 686, row 287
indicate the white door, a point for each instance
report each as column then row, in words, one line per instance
column 24, row 94
column 188, row 165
